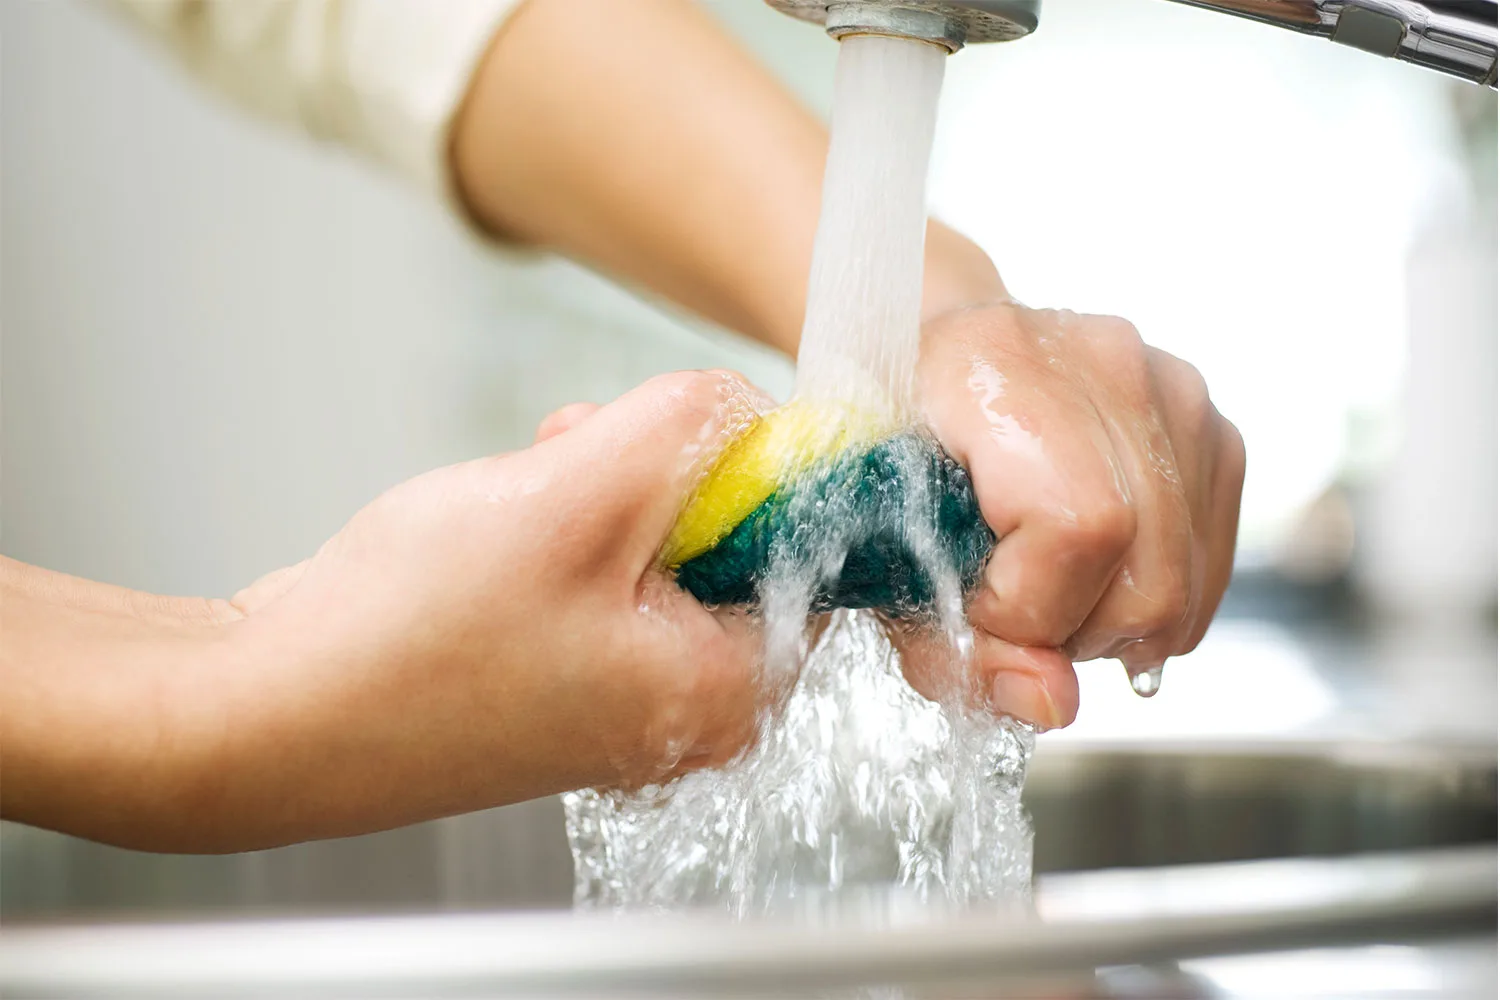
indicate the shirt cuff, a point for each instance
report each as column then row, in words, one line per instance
column 410, row 65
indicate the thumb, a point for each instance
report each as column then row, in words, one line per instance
column 644, row 452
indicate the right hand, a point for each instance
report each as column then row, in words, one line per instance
column 1112, row 483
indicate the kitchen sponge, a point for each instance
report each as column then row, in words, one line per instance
column 808, row 483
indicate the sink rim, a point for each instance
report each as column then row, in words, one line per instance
column 1413, row 895
column 1364, row 751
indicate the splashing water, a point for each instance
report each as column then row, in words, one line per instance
column 860, row 795
column 859, row 785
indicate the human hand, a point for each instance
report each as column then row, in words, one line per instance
column 488, row 632
column 1111, row 482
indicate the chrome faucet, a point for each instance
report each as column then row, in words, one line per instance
column 1456, row 37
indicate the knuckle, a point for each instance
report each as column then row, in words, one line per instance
column 1104, row 527
column 1234, row 453
column 668, row 731
column 1119, row 336
column 1160, row 612
column 685, row 406
column 1192, row 642
column 693, row 390
column 1184, row 390
column 1184, row 381
column 1108, row 323
column 700, row 709
column 651, row 693
column 699, row 399
column 562, row 419
column 1120, row 351
column 1173, row 601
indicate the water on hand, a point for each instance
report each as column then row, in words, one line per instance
column 860, row 795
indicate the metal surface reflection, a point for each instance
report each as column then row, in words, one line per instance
column 1191, row 803
column 1456, row 37
column 1298, row 904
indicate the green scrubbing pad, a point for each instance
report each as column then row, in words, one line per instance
column 871, row 500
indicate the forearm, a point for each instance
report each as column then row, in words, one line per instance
column 635, row 137
column 206, row 726
column 641, row 140
column 178, row 724
column 96, row 736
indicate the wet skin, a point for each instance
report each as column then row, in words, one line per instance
column 1111, row 482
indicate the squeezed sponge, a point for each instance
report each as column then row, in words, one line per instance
column 807, row 481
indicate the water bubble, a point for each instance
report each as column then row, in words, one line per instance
column 1145, row 682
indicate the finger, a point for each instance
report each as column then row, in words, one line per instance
column 564, row 419
column 638, row 457
column 1142, row 615
column 1207, row 449
column 268, row 588
column 1048, row 485
column 1223, row 529
column 1029, row 683
column 930, row 664
column 736, row 691
column 1032, row 684
column 1043, row 580
column 705, row 684
column 1209, row 457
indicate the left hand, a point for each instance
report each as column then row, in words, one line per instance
column 1111, row 482
column 485, row 633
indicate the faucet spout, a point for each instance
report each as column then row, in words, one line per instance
column 1456, row 37
column 948, row 23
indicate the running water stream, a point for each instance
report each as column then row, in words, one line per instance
column 864, row 295
column 860, row 794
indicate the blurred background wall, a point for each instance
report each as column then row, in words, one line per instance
column 219, row 341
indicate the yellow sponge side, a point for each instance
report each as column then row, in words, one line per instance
column 775, row 449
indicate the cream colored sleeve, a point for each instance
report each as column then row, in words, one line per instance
column 383, row 77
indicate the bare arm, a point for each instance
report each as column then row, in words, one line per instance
column 639, row 138
column 486, row 633
column 635, row 137
column 94, row 679
column 377, row 684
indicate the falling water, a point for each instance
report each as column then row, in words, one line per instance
column 864, row 295
column 860, row 795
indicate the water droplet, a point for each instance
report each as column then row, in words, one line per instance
column 1146, row 682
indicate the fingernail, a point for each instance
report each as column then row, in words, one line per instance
column 1026, row 698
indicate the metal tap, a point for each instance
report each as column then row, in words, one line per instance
column 1456, row 37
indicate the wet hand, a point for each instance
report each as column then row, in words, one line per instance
column 494, row 631
column 1113, row 487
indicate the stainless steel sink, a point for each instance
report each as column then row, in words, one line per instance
column 1125, row 805
column 1083, row 927
column 1149, row 858
column 1182, row 803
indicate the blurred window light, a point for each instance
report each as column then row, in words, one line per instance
column 1247, row 679
column 1245, row 195
column 1371, row 972
column 1220, row 889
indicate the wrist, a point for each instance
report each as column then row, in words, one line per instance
column 105, row 706
column 957, row 274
